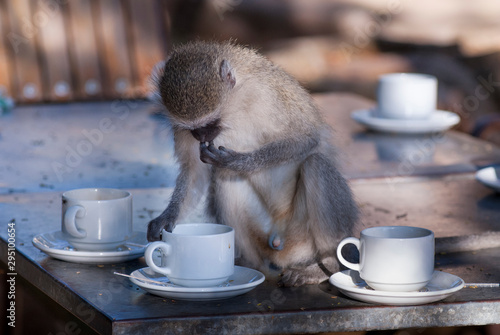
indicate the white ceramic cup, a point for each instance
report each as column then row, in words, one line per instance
column 393, row 258
column 195, row 254
column 97, row 219
column 409, row 96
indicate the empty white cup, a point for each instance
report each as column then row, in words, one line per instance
column 393, row 258
column 195, row 254
column 97, row 219
column 408, row 96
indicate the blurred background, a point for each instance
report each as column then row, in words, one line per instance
column 60, row 50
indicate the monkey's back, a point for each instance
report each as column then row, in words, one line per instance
column 280, row 101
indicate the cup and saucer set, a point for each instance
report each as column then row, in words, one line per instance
column 490, row 177
column 195, row 262
column 396, row 267
column 96, row 228
column 406, row 104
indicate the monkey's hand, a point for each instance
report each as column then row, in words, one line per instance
column 272, row 154
column 223, row 157
column 155, row 227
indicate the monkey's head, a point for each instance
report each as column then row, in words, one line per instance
column 196, row 82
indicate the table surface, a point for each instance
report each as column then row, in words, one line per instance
column 425, row 181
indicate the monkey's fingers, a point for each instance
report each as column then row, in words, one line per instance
column 212, row 148
column 154, row 230
column 220, row 157
column 227, row 154
column 208, row 154
column 156, row 226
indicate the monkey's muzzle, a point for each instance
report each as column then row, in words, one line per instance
column 207, row 133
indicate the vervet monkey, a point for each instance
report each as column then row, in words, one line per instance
column 250, row 137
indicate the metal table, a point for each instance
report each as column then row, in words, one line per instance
column 38, row 145
column 125, row 144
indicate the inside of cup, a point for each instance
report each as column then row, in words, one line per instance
column 396, row 232
column 405, row 76
column 96, row 194
column 200, row 229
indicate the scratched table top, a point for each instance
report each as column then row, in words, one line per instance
column 46, row 150
column 126, row 144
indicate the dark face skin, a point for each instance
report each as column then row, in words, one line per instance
column 207, row 133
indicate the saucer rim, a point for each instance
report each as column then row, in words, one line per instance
column 440, row 120
column 134, row 249
column 492, row 183
column 375, row 109
column 213, row 289
column 388, row 294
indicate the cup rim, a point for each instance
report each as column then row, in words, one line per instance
column 71, row 194
column 228, row 229
column 424, row 232
column 411, row 75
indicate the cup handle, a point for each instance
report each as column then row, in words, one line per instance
column 349, row 240
column 148, row 256
column 69, row 221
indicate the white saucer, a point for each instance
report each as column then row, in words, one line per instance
column 54, row 245
column 441, row 286
column 489, row 177
column 439, row 121
column 242, row 281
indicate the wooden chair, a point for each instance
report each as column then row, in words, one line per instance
column 62, row 50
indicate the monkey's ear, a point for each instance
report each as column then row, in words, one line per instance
column 153, row 88
column 227, row 73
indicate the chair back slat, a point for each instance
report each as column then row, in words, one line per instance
column 80, row 50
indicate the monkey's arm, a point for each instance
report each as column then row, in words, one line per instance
column 269, row 155
column 190, row 186
column 168, row 218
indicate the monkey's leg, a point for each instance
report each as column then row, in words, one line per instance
column 332, row 214
column 236, row 204
column 311, row 274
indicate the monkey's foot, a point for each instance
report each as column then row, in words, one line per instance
column 311, row 274
column 275, row 241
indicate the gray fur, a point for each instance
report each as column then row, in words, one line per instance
column 269, row 168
